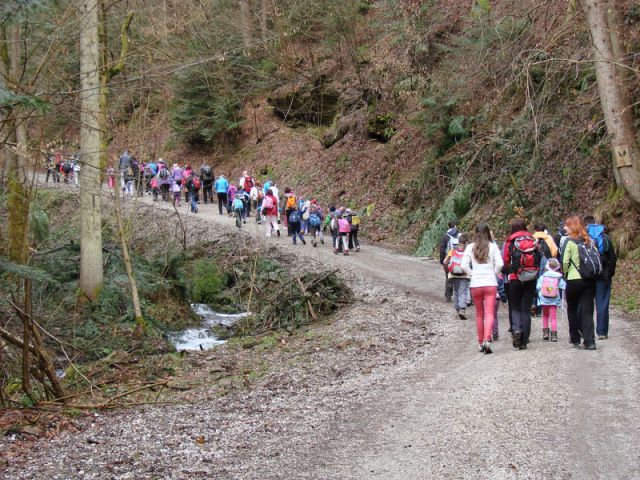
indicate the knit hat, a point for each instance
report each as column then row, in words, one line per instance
column 553, row 265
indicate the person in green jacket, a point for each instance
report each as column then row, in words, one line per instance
column 580, row 292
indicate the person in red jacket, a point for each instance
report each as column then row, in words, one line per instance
column 269, row 208
column 522, row 263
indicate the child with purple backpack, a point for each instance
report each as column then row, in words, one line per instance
column 549, row 285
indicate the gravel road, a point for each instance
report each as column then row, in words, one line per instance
column 398, row 392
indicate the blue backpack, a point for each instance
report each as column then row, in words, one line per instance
column 314, row 220
column 294, row 217
column 596, row 232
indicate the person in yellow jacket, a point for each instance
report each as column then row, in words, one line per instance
column 540, row 233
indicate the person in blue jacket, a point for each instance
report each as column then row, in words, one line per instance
column 221, row 186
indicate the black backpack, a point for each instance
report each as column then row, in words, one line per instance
column 544, row 249
column 163, row 174
column 590, row 265
column 66, row 167
column 207, row 173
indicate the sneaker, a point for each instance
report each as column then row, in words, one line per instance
column 278, row 232
column 314, row 243
column 603, row 337
column 591, row 346
column 322, row 241
column 517, row 340
column 461, row 314
column 303, row 241
column 523, row 346
column 346, row 253
column 335, row 250
column 575, row 344
column 357, row 249
column 487, row 347
column 495, row 337
column 481, row 348
column 545, row 334
column 554, row 336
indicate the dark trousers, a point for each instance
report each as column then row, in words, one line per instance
column 164, row 191
column 296, row 232
column 448, row 286
column 603, row 295
column 520, row 300
column 222, row 201
column 580, row 297
column 287, row 213
column 207, row 190
column 509, row 305
column 353, row 239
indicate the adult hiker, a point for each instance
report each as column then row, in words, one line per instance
column 354, row 221
column 579, row 253
column 221, row 186
column 269, row 209
column 608, row 257
column 206, row 175
column 447, row 242
column 522, row 263
column 290, row 203
column 124, row 164
column 482, row 261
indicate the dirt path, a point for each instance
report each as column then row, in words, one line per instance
column 398, row 392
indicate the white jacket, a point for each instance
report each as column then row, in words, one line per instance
column 483, row 274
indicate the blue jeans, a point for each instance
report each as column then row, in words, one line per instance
column 194, row 205
column 603, row 295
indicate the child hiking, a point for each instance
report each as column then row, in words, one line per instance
column 459, row 279
column 549, row 285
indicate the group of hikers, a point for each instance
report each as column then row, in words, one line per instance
column 62, row 169
column 301, row 216
column 533, row 273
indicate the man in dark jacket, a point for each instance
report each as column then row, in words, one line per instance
column 603, row 285
column 448, row 241
column 206, row 174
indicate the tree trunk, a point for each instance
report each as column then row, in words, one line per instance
column 247, row 26
column 140, row 323
column 91, row 269
column 264, row 29
column 614, row 99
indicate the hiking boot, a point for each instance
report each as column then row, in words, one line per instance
column 522, row 347
column 517, row 339
column 314, row 243
column 545, row 334
column 554, row 336
column 487, row 347
column 603, row 337
column 322, row 241
column 591, row 346
column 346, row 253
column 575, row 344
column 447, row 299
column 278, row 232
column 303, row 241
column 462, row 314
column 357, row 249
column 481, row 348
column 495, row 337
column 335, row 250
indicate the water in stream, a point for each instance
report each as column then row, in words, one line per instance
column 203, row 337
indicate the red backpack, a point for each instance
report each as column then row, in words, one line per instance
column 525, row 258
column 455, row 262
column 248, row 184
column 196, row 182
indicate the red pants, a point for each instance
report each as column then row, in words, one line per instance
column 484, row 298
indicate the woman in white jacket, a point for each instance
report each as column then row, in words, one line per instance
column 482, row 261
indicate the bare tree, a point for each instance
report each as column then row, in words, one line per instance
column 91, row 269
column 614, row 97
column 247, row 25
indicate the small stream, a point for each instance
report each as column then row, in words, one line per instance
column 203, row 337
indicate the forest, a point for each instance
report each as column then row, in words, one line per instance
column 410, row 112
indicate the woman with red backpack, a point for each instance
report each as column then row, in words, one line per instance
column 522, row 263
